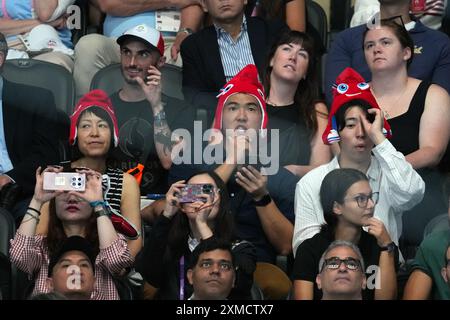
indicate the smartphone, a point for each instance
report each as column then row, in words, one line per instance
column 191, row 192
column 65, row 181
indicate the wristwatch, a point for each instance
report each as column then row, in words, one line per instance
column 188, row 31
column 102, row 211
column 264, row 201
column 391, row 247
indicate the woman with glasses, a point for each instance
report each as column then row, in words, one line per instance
column 417, row 111
column 348, row 204
column 197, row 210
column 71, row 213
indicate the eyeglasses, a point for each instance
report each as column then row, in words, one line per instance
column 334, row 263
column 363, row 199
column 223, row 265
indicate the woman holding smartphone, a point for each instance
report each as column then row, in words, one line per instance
column 71, row 213
column 93, row 137
column 187, row 220
column 348, row 205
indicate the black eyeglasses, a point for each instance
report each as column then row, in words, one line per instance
column 363, row 199
column 334, row 263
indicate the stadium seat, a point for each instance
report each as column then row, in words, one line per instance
column 318, row 19
column 50, row 76
column 110, row 80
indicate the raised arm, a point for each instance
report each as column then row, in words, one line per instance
column 296, row 15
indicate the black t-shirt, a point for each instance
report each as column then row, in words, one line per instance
column 136, row 138
column 306, row 265
column 295, row 138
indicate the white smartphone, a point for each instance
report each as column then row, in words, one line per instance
column 65, row 181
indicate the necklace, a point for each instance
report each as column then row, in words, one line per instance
column 276, row 105
column 395, row 104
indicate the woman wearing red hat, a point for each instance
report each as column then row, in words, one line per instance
column 293, row 104
column 93, row 136
column 417, row 111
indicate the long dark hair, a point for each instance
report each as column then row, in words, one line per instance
column 102, row 114
column 223, row 225
column 307, row 93
column 56, row 234
column 333, row 189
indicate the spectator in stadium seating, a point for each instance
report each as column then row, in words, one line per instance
column 93, row 139
column 261, row 202
column 348, row 206
column 417, row 111
column 186, row 224
column 146, row 117
column 428, row 279
column 36, row 25
column 27, row 138
column 431, row 54
column 177, row 19
column 341, row 272
column 214, row 55
column 71, row 213
column 357, row 122
column 293, row 104
column 71, row 269
column 212, row 273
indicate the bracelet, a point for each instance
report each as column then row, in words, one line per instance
column 35, row 210
column 33, row 217
column 94, row 204
column 102, row 212
column 188, row 31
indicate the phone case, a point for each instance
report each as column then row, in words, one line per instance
column 65, row 181
column 191, row 192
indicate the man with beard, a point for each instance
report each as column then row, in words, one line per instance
column 145, row 116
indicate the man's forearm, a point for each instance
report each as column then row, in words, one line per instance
column 131, row 7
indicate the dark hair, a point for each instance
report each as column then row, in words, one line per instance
column 307, row 93
column 400, row 32
column 333, row 189
column 223, row 226
column 102, row 114
column 340, row 113
column 211, row 245
column 56, row 235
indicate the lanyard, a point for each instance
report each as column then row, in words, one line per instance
column 182, row 278
column 5, row 13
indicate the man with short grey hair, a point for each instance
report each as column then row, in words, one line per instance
column 341, row 272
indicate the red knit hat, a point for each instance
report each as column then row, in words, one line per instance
column 246, row 81
column 95, row 98
column 350, row 85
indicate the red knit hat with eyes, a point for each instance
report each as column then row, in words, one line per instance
column 350, row 85
column 246, row 81
column 95, row 98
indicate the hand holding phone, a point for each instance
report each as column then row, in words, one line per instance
column 195, row 192
column 64, row 181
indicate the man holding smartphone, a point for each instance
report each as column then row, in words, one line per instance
column 262, row 204
column 145, row 116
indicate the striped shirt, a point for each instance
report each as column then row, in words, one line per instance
column 235, row 55
column 113, row 189
column 31, row 255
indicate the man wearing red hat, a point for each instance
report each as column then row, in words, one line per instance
column 145, row 116
column 357, row 123
column 262, row 204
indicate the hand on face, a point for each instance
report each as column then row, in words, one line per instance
column 151, row 86
column 253, row 182
column 237, row 146
column 375, row 129
column 376, row 228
